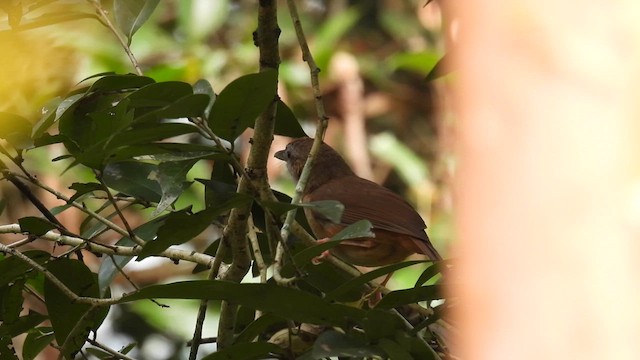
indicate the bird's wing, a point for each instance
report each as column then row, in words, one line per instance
column 364, row 199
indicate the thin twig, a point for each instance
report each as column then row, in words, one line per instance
column 257, row 253
column 114, row 203
column 197, row 339
column 171, row 253
column 320, row 130
column 117, row 354
column 84, row 209
column 59, row 284
column 104, row 17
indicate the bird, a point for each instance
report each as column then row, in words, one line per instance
column 399, row 230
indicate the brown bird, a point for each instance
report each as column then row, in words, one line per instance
column 399, row 230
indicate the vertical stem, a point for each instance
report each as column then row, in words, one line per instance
column 235, row 233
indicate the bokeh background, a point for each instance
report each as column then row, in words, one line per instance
column 391, row 125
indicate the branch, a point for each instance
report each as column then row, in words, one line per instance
column 320, row 130
column 82, row 208
column 171, row 254
column 266, row 38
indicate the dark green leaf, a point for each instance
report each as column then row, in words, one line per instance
column 178, row 228
column 358, row 229
column 47, row 119
column 135, row 179
column 222, row 195
column 10, row 305
column 185, row 107
column 24, row 323
column 332, row 343
column 278, row 208
column 83, row 188
column 286, row 122
column 370, row 276
column 246, row 351
column 167, row 152
column 12, row 267
column 410, row 296
column 258, row 327
column 379, row 324
column 46, row 139
column 131, row 14
column 16, row 130
column 265, row 297
column 36, row 341
column 241, row 102
column 35, row 225
column 66, row 315
column 160, row 94
column 394, row 350
column 151, row 133
column 119, row 83
column 331, row 209
column 429, row 273
column 172, row 178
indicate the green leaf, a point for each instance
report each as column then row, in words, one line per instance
column 119, row 83
column 330, row 209
column 36, row 341
column 222, row 195
column 131, row 14
column 421, row 62
column 66, row 315
column 258, row 327
column 16, row 130
column 429, row 273
column 160, row 94
column 10, row 305
column 358, row 229
column 410, row 296
column 151, row 133
column 13, row 267
column 82, row 189
column 440, row 69
column 241, row 102
column 91, row 132
column 178, row 228
column 35, row 225
column 172, row 177
column 332, row 343
column 47, row 119
column 185, row 107
column 112, row 264
column 247, row 351
column 167, row 152
column 286, row 122
column 135, row 179
column 202, row 86
column 265, row 297
column 394, row 350
column 370, row 276
column 24, row 323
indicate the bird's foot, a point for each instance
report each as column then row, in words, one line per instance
column 325, row 254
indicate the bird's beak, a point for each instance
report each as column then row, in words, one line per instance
column 282, row 155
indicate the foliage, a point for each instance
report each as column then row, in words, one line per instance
column 138, row 138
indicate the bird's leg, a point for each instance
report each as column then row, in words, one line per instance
column 375, row 296
column 325, row 254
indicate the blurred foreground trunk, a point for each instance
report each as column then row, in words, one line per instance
column 548, row 189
